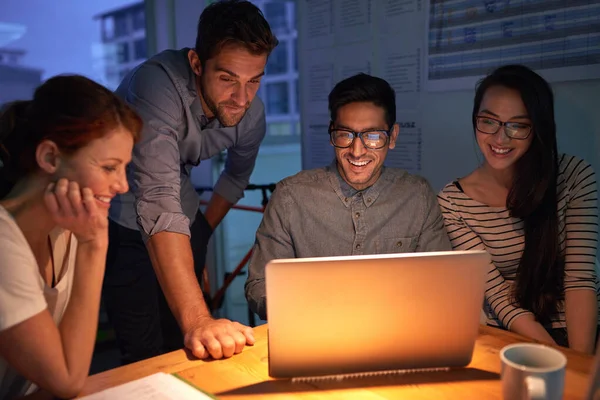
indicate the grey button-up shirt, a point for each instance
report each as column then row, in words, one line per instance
column 316, row 213
column 177, row 136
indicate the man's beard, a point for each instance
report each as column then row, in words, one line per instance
column 218, row 111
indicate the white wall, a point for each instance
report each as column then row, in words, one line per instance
column 577, row 112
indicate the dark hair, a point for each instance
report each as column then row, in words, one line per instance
column 69, row 110
column 233, row 22
column 364, row 88
column 533, row 196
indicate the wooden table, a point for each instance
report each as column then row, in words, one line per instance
column 245, row 376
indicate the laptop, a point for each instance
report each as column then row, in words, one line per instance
column 364, row 314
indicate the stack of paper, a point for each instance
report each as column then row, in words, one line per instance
column 159, row 386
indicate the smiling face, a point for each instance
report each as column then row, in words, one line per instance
column 228, row 82
column 503, row 104
column 100, row 166
column 361, row 167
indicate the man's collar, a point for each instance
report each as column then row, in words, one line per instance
column 346, row 193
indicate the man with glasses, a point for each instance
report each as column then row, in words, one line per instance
column 355, row 205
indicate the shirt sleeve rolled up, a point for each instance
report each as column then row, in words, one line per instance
column 154, row 172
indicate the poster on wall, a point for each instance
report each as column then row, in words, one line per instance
column 347, row 64
column 316, row 26
column 400, row 66
column 319, row 73
column 352, row 21
column 407, row 152
column 317, row 151
column 467, row 39
column 340, row 38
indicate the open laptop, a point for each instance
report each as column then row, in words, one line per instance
column 357, row 314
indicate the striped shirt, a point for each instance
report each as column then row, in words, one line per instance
column 473, row 225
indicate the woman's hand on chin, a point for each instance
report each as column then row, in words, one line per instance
column 75, row 209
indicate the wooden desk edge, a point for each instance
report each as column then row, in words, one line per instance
column 180, row 360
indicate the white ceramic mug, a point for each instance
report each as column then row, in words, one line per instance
column 532, row 371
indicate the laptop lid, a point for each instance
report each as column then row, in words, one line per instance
column 341, row 315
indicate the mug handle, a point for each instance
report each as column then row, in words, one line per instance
column 536, row 388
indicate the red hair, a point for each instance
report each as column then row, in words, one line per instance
column 69, row 110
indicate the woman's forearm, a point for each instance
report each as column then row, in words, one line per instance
column 79, row 325
column 581, row 309
column 526, row 325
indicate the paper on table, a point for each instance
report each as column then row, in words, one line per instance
column 159, row 386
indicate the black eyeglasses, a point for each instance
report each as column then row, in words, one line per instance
column 373, row 139
column 514, row 130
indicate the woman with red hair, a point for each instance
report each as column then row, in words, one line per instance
column 62, row 159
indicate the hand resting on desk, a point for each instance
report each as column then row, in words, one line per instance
column 172, row 259
column 218, row 338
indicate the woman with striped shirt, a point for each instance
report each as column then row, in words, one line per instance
column 535, row 212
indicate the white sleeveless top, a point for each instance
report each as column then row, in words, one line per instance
column 23, row 292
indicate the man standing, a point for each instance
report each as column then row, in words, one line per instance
column 195, row 103
column 354, row 206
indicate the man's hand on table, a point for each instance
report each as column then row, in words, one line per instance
column 218, row 338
